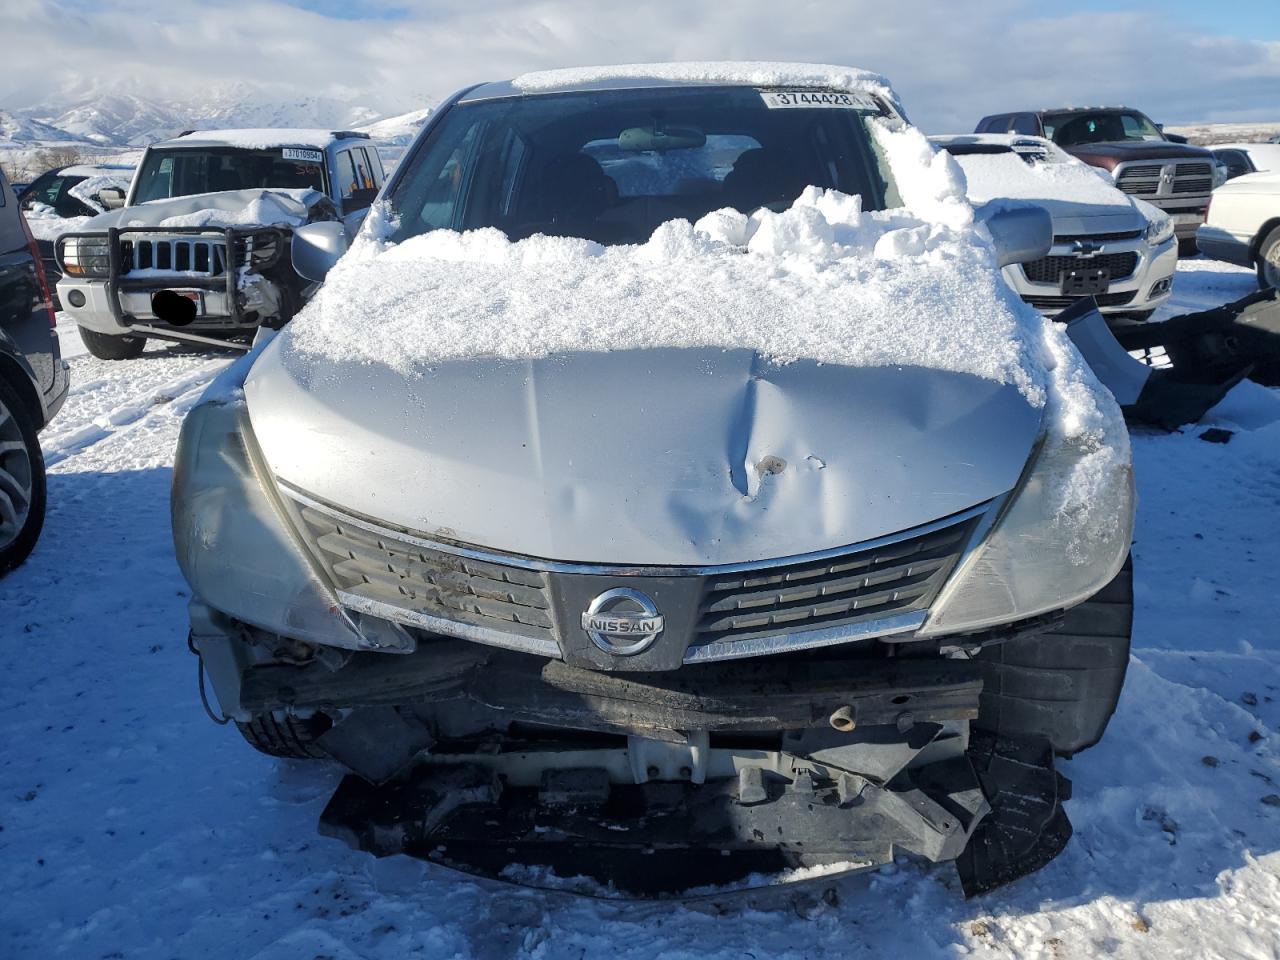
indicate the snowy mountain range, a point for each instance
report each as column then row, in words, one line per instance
column 124, row 119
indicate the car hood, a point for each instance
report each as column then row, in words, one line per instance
column 257, row 207
column 1111, row 153
column 1264, row 183
column 641, row 457
column 1086, row 219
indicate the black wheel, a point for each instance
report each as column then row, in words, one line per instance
column 109, row 346
column 1269, row 260
column 22, row 481
column 1062, row 685
column 1187, row 247
column 291, row 737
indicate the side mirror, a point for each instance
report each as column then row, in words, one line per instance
column 359, row 199
column 1021, row 233
column 317, row 247
column 112, row 198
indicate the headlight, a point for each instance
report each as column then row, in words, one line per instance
column 1039, row 557
column 85, row 256
column 1159, row 229
column 1220, row 175
column 235, row 545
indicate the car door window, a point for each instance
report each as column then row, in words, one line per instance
column 348, row 176
column 1026, row 123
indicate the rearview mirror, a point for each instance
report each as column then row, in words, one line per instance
column 1021, row 233
column 647, row 139
column 317, row 247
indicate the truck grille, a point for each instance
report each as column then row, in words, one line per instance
column 198, row 255
column 1165, row 179
column 897, row 578
column 1050, row 269
column 386, row 569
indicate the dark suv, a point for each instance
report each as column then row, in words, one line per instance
column 1144, row 162
column 33, row 382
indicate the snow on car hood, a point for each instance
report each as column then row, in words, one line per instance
column 231, row 208
column 733, row 390
column 1079, row 198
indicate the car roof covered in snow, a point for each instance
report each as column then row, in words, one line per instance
column 98, row 170
column 259, row 139
column 745, row 73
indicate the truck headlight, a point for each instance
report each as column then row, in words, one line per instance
column 85, row 256
column 1159, row 229
column 1045, row 552
column 1220, row 175
column 234, row 543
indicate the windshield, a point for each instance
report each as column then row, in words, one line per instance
column 612, row 166
column 182, row 173
column 1102, row 126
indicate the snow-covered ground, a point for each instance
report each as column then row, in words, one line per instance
column 132, row 827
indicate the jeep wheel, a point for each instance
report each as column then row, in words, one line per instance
column 22, row 481
column 110, row 346
column 1269, row 260
column 293, row 738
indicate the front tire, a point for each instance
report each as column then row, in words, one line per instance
column 22, row 481
column 110, row 346
column 292, row 738
column 1269, row 260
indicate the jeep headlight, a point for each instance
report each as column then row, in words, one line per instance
column 1045, row 552
column 85, row 256
column 1159, row 228
column 235, row 545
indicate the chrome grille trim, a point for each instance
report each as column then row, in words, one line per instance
column 1164, row 178
column 615, row 569
column 451, row 628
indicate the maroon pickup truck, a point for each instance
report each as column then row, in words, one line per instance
column 1144, row 162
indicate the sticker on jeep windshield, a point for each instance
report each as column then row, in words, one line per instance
column 311, row 156
column 821, row 99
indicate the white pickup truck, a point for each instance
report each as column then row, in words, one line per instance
column 1243, row 225
column 200, row 251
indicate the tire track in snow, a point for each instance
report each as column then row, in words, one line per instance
column 175, row 394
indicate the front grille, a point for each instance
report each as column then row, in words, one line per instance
column 206, row 256
column 1050, row 269
column 1103, row 300
column 897, row 578
column 1150, row 180
column 199, row 254
column 881, row 587
column 1099, row 237
column 385, row 569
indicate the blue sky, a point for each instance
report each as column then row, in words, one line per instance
column 952, row 61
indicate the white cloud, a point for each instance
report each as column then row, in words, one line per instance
column 951, row 62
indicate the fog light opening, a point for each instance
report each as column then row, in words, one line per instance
column 76, row 298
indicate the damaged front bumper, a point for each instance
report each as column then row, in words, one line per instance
column 170, row 282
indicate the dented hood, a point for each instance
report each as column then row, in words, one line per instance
column 644, row 457
column 255, row 207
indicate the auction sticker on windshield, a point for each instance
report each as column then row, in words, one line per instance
column 313, row 156
column 808, row 99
